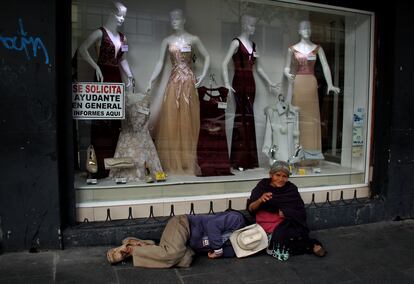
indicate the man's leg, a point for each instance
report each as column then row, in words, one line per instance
column 172, row 249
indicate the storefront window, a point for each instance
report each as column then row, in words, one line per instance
column 197, row 97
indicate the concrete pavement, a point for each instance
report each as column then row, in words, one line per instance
column 372, row 253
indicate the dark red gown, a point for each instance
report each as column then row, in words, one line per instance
column 243, row 144
column 212, row 151
column 105, row 133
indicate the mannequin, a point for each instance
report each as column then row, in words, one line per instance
column 282, row 131
column 303, row 56
column 107, row 70
column 179, row 120
column 245, row 56
column 135, row 141
column 111, row 48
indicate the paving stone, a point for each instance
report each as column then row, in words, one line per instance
column 372, row 253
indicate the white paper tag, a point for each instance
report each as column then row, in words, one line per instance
column 222, row 105
column 185, row 48
column 121, row 180
column 91, row 181
column 124, row 47
column 311, row 57
column 205, row 241
column 255, row 54
column 206, row 98
column 143, row 110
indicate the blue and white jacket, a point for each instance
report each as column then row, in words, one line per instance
column 212, row 232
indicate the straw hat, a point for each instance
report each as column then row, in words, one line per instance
column 248, row 240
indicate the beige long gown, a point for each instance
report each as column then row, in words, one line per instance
column 305, row 96
column 179, row 120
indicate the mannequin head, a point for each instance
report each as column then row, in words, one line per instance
column 305, row 29
column 248, row 24
column 177, row 19
column 118, row 13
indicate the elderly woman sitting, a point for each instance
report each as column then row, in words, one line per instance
column 279, row 209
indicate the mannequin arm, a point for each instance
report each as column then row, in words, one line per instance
column 267, row 141
column 263, row 74
column 327, row 72
column 206, row 56
column 84, row 53
column 126, row 69
column 286, row 71
column 233, row 48
column 158, row 66
column 296, row 132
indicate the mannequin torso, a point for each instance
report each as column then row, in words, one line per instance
column 112, row 25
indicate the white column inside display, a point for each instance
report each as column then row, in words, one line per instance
column 356, row 85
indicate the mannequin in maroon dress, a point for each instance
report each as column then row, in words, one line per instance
column 112, row 47
column 244, row 54
column 212, row 151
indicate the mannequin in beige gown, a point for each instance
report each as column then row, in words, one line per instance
column 179, row 119
column 302, row 57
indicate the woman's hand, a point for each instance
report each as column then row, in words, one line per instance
column 281, row 214
column 266, row 197
column 255, row 205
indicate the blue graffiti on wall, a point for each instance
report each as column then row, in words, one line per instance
column 30, row 45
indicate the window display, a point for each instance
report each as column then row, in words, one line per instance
column 300, row 92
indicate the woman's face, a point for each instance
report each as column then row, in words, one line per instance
column 279, row 179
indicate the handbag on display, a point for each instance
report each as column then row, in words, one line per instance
column 118, row 163
column 91, row 162
column 313, row 155
column 302, row 154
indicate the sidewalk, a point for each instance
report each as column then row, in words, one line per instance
column 373, row 253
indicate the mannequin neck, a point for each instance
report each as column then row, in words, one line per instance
column 179, row 32
column 111, row 25
column 245, row 37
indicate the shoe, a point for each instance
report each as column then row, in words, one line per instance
column 91, row 163
column 160, row 176
column 137, row 242
column 118, row 254
column 148, row 177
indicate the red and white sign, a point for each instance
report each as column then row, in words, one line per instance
column 98, row 100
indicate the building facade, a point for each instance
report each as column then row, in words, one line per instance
column 359, row 173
